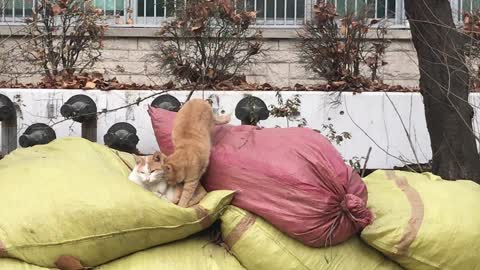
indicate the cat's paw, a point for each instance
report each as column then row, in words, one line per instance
column 160, row 195
column 165, row 198
column 175, row 200
column 151, row 181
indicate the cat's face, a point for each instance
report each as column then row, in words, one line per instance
column 148, row 169
column 169, row 173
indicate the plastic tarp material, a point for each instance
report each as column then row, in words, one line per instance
column 292, row 177
column 13, row 264
column 259, row 246
column 193, row 253
column 424, row 222
column 72, row 197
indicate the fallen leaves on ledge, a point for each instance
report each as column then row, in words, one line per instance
column 95, row 80
column 86, row 81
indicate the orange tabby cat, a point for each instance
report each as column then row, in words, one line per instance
column 192, row 139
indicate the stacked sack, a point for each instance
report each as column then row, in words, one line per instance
column 292, row 177
column 69, row 204
column 296, row 181
column 196, row 252
column 259, row 246
column 424, row 222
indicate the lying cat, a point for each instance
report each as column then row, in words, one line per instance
column 192, row 139
column 148, row 173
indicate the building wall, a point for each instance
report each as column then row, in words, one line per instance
column 126, row 57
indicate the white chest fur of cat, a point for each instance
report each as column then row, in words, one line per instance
column 148, row 174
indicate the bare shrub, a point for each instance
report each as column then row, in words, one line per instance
column 471, row 29
column 336, row 47
column 208, row 42
column 64, row 37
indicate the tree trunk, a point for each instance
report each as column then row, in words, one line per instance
column 444, row 86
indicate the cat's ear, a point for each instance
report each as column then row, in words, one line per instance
column 168, row 168
column 138, row 160
column 158, row 156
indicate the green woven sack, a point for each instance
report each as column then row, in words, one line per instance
column 193, row 253
column 259, row 246
column 72, row 198
column 424, row 222
column 13, row 264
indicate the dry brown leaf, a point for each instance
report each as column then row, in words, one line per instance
column 299, row 87
column 370, row 61
column 195, row 28
column 169, row 85
column 211, row 73
column 56, row 10
column 237, row 19
column 339, row 83
column 374, row 21
column 90, row 85
column 340, row 46
column 266, row 86
column 252, row 15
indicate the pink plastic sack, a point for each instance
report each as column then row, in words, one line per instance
column 292, row 177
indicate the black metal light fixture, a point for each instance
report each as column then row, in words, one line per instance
column 7, row 110
column 250, row 110
column 166, row 102
column 122, row 136
column 8, row 117
column 36, row 134
column 82, row 109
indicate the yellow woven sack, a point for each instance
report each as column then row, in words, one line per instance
column 259, row 246
column 193, row 253
column 13, row 264
column 72, row 198
column 424, row 222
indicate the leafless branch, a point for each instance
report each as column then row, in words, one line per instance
column 105, row 111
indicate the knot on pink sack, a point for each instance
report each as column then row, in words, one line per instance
column 357, row 210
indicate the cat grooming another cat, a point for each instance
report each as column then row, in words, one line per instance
column 192, row 137
column 148, row 173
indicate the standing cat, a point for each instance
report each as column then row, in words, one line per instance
column 192, row 139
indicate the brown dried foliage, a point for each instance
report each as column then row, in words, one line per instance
column 471, row 29
column 336, row 47
column 208, row 42
column 86, row 81
column 64, row 37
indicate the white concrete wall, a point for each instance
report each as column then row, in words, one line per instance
column 371, row 118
